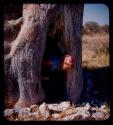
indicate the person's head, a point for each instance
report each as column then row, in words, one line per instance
column 68, row 63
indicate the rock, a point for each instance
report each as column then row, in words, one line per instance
column 59, row 107
column 98, row 116
column 53, row 107
column 84, row 115
column 101, row 113
column 70, row 110
column 34, row 116
column 9, row 114
column 34, row 108
column 55, row 115
column 77, row 116
column 103, row 106
column 63, row 111
column 43, row 108
column 24, row 113
column 64, row 105
column 74, row 117
column 77, row 113
column 83, row 109
column 87, row 106
column 69, row 117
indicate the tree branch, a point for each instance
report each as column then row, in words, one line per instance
column 11, row 29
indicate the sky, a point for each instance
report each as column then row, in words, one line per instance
column 96, row 12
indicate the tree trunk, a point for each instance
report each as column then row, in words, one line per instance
column 28, row 49
column 73, row 16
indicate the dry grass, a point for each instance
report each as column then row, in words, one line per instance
column 95, row 51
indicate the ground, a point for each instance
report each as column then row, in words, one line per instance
column 95, row 50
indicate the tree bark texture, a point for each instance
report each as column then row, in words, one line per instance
column 27, row 50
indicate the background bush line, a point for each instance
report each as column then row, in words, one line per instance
column 94, row 28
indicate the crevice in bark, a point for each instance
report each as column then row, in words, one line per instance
column 54, row 85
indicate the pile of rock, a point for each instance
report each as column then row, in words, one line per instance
column 63, row 111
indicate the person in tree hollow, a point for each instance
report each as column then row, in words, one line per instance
column 54, row 67
column 56, row 63
column 54, row 77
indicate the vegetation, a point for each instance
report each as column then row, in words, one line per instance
column 95, row 55
column 95, row 48
column 91, row 28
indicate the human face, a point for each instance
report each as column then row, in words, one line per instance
column 66, row 66
column 67, row 63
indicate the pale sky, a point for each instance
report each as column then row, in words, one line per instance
column 96, row 12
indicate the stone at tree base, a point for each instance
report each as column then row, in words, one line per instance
column 81, row 112
column 32, row 116
column 99, row 116
column 76, row 117
column 74, row 113
column 23, row 113
column 83, row 109
column 59, row 107
column 77, row 113
column 34, row 108
column 55, row 115
column 43, row 108
column 9, row 113
column 70, row 110
column 101, row 113
column 103, row 106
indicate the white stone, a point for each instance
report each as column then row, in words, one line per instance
column 77, row 116
column 53, row 107
column 87, row 106
column 69, row 117
column 98, row 116
column 44, row 110
column 34, row 108
column 64, row 105
column 34, row 116
column 71, row 110
column 103, row 106
column 8, row 112
column 83, row 109
column 55, row 115
column 23, row 113
column 59, row 107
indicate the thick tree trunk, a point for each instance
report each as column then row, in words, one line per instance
column 26, row 62
column 73, row 16
column 28, row 49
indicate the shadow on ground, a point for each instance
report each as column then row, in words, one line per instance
column 96, row 89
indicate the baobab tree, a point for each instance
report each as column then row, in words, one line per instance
column 27, row 50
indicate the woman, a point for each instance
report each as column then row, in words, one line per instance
column 53, row 77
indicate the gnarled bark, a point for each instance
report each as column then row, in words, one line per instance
column 11, row 29
column 73, row 16
column 27, row 51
